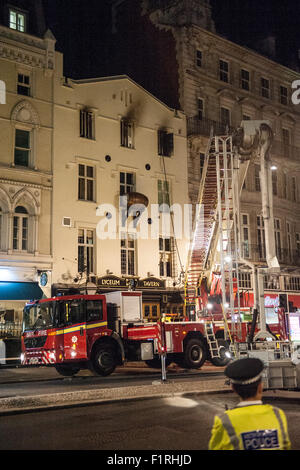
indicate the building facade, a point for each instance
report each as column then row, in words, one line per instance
column 217, row 84
column 27, row 62
column 120, row 161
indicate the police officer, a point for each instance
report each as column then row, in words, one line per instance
column 251, row 425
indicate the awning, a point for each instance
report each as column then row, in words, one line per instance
column 20, row 291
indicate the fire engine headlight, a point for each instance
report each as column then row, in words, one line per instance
column 227, row 354
column 22, row 357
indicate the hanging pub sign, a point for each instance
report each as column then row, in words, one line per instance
column 116, row 282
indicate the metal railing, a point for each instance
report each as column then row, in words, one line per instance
column 257, row 253
column 10, row 330
column 207, row 127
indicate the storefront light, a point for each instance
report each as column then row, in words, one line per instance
column 5, row 274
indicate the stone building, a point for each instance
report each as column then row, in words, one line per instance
column 27, row 62
column 217, row 84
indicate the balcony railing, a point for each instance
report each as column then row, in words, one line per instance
column 206, row 127
column 257, row 253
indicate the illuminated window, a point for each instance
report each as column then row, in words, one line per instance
column 17, row 20
column 128, row 249
column 85, row 251
column 163, row 188
column 245, row 236
column 165, row 257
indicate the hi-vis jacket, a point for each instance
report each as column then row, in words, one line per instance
column 250, row 427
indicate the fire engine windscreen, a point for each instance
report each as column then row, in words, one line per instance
column 38, row 317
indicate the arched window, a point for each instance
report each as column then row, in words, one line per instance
column 20, row 229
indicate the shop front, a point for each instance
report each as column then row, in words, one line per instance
column 157, row 299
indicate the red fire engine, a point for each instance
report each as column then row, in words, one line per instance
column 99, row 332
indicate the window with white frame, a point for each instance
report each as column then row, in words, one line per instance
column 245, row 235
column 86, row 124
column 17, row 20
column 128, row 254
column 265, row 87
column 86, row 182
column 166, row 256
column 85, row 256
column 163, row 193
column 245, row 79
column 261, row 237
column 127, row 133
column 23, row 84
column 22, row 152
column 224, row 70
column 20, row 229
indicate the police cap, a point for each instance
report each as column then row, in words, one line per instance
column 245, row 371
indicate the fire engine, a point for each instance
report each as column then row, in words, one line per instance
column 102, row 331
column 99, row 332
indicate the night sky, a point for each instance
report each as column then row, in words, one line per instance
column 83, row 25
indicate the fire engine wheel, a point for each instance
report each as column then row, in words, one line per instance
column 223, row 359
column 104, row 360
column 67, row 370
column 194, row 354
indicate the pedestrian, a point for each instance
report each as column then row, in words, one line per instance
column 251, row 425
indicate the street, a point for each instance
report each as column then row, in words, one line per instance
column 173, row 423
